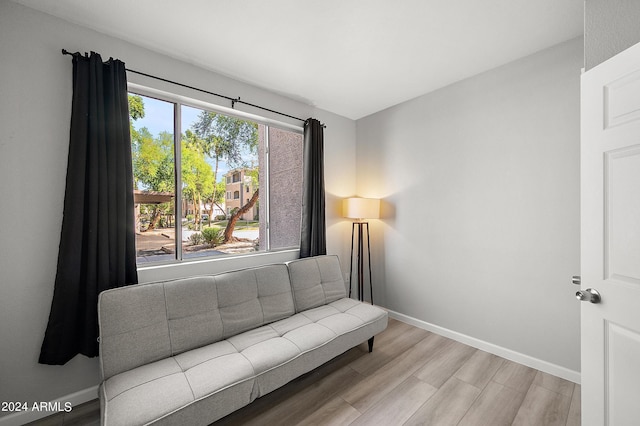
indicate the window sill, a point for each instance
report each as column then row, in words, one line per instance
column 213, row 265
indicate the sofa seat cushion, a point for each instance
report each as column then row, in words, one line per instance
column 140, row 395
column 321, row 334
column 307, row 330
column 343, row 315
column 278, row 343
column 250, row 338
column 265, row 355
column 218, row 373
column 147, row 401
column 309, row 336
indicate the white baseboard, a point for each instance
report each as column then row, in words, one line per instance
column 23, row 417
column 529, row 361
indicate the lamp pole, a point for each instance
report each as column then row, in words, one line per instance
column 361, row 209
column 360, row 224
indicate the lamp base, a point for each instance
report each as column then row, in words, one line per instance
column 360, row 225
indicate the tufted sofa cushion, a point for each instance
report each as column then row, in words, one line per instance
column 316, row 281
column 157, row 320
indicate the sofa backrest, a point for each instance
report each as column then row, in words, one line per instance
column 316, row 281
column 143, row 323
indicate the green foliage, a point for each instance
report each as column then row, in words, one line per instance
column 196, row 239
column 225, row 138
column 136, row 111
column 152, row 156
column 213, row 235
column 164, row 222
column 197, row 175
column 152, row 161
column 136, row 107
column 254, row 174
column 222, row 138
column 218, row 194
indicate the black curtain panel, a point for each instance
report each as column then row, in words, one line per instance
column 97, row 242
column 313, row 239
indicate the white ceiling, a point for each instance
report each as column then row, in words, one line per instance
column 350, row 57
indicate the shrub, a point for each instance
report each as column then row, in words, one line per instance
column 213, row 236
column 196, row 239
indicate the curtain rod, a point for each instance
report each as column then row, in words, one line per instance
column 234, row 101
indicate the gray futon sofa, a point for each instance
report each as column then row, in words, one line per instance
column 190, row 351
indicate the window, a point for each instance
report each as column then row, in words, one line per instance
column 239, row 182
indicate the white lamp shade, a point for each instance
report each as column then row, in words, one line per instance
column 361, row 208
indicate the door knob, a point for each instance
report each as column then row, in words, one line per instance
column 588, row 295
column 576, row 280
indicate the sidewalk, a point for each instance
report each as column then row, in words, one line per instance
column 159, row 244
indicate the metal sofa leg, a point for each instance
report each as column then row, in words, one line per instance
column 371, row 345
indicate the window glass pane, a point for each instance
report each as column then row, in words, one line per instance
column 153, row 177
column 285, row 188
column 224, row 163
column 220, row 169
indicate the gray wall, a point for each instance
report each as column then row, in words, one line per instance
column 480, row 187
column 610, row 26
column 35, row 105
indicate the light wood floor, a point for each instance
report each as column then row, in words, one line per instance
column 413, row 377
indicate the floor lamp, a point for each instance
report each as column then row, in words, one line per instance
column 361, row 209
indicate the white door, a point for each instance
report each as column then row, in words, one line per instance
column 610, row 246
